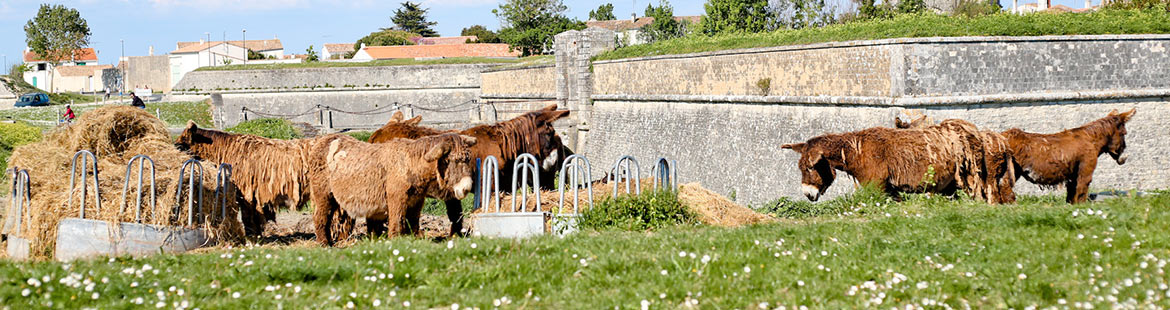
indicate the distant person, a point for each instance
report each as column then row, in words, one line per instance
column 136, row 102
column 107, row 94
column 68, row 117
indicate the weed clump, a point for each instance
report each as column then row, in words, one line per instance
column 649, row 211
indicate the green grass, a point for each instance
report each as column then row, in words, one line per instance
column 924, row 25
column 175, row 114
column 11, row 136
column 374, row 63
column 649, row 211
column 267, row 127
column 360, row 135
column 921, row 251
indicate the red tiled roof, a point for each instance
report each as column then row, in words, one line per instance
column 81, row 70
column 445, row 40
column 85, row 54
column 338, row 48
column 627, row 24
column 445, row 50
column 255, row 45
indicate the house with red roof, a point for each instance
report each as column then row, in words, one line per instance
column 41, row 71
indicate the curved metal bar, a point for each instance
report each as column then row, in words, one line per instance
column 87, row 157
column 20, row 199
column 490, row 170
column 571, row 169
column 665, row 174
column 617, row 177
column 192, row 188
column 223, row 186
column 526, row 163
column 141, row 160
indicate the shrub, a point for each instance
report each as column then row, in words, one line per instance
column 360, row 135
column 865, row 196
column 648, row 211
column 268, row 128
column 12, row 136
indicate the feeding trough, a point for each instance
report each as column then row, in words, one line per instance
column 577, row 177
column 81, row 237
column 18, row 247
column 627, row 173
column 511, row 224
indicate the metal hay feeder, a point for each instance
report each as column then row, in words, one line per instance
column 511, row 224
column 81, row 237
column 578, row 177
column 18, row 247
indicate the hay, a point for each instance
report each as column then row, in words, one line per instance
column 712, row 208
column 115, row 134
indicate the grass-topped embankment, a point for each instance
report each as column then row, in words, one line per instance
column 175, row 114
column 372, row 63
column 918, row 25
column 273, row 128
column 924, row 251
column 13, row 135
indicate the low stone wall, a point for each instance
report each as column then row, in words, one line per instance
column 350, row 109
column 734, row 148
column 335, row 78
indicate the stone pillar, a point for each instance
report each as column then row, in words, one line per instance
column 575, row 79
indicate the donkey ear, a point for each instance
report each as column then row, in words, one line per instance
column 191, row 125
column 555, row 115
column 798, row 147
column 397, row 117
column 1127, row 115
column 900, row 124
column 414, row 120
column 469, row 140
column 438, row 151
column 549, row 108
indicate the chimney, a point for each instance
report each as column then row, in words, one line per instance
column 150, row 52
column 201, row 41
column 1088, row 4
column 1042, row 4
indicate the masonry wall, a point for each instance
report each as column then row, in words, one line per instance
column 529, row 82
column 340, row 78
column 708, row 112
column 152, row 72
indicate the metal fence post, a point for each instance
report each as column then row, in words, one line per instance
column 526, row 164
column 141, row 160
column 665, row 173
column 191, row 183
column 87, row 157
column 572, row 170
column 223, row 186
column 489, row 171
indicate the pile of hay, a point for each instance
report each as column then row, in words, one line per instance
column 114, row 134
column 712, row 208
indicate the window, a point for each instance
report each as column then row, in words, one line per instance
column 40, row 67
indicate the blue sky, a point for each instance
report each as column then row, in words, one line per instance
column 297, row 23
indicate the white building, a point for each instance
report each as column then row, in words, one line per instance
column 204, row 54
column 39, row 70
column 335, row 50
column 269, row 48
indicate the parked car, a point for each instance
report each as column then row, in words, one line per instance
column 32, row 100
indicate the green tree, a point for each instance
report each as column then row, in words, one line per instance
column 253, row 55
column 311, row 54
column 413, row 18
column 723, row 16
column 482, row 34
column 56, row 34
column 913, row 6
column 385, row 37
column 664, row 26
column 529, row 25
column 603, row 12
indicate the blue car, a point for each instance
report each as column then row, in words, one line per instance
column 33, row 100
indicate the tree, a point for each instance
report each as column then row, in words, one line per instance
column 603, row 12
column 311, row 54
column 735, row 16
column 529, row 25
column 482, row 34
column 412, row 18
column 56, row 34
column 253, row 55
column 385, row 37
column 664, row 26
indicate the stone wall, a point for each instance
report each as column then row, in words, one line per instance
column 349, row 109
column 152, row 72
column 520, row 83
column 336, row 78
column 709, row 112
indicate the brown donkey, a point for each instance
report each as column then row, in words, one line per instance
column 1069, row 156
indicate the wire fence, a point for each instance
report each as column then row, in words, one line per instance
column 325, row 112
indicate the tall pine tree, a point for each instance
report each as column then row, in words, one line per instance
column 412, row 18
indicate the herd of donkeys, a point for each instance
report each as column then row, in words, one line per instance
column 954, row 155
column 386, row 179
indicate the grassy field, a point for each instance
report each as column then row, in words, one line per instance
column 175, row 114
column 924, row 25
column 374, row 63
column 926, row 252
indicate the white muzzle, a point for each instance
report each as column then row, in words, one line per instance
column 550, row 162
column 462, row 188
column 812, row 192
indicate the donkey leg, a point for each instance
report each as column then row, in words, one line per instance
column 322, row 221
column 375, row 228
column 342, row 223
column 455, row 214
column 413, row 213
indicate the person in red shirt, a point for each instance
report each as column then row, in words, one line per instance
column 68, row 114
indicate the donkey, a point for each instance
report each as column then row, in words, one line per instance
column 1069, row 156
